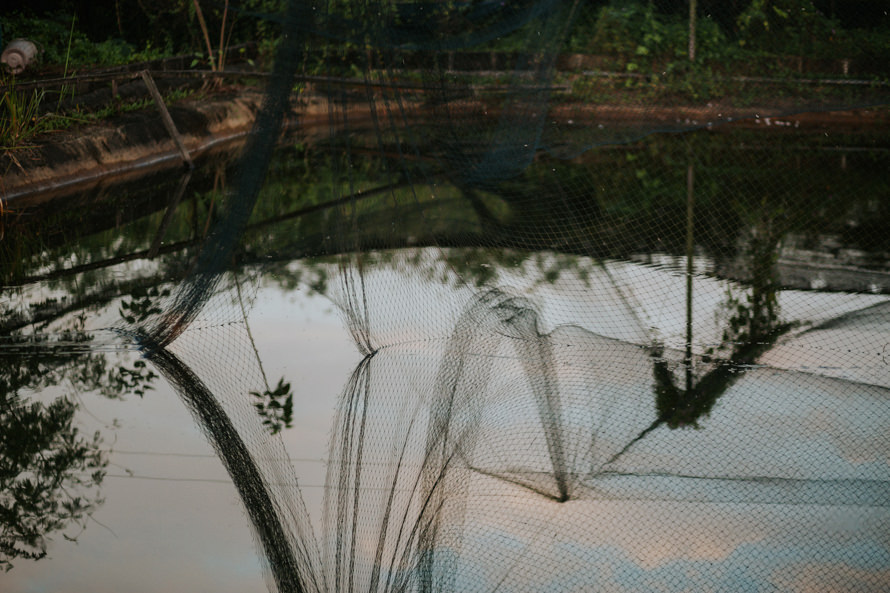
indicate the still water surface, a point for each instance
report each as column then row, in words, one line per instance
column 170, row 520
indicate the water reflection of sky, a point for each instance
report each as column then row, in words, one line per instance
column 172, row 520
column 628, row 546
column 677, row 533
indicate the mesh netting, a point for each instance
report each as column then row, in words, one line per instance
column 615, row 337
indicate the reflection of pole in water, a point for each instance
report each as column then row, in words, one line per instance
column 690, row 195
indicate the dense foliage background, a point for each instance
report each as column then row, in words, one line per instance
column 113, row 31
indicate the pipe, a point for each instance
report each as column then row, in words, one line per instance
column 18, row 55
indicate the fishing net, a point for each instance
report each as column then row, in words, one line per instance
column 614, row 336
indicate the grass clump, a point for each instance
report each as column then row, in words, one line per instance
column 20, row 116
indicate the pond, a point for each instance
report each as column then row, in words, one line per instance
column 657, row 365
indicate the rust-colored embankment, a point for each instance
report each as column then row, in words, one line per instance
column 123, row 144
column 59, row 162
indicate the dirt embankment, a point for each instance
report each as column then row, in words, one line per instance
column 131, row 141
column 62, row 160
column 140, row 140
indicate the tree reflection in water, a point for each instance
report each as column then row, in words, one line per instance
column 50, row 474
column 519, row 351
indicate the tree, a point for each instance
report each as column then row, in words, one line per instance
column 783, row 26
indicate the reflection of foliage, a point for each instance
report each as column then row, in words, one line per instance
column 752, row 327
column 632, row 202
column 49, row 475
column 763, row 306
column 320, row 284
column 275, row 406
column 311, row 273
column 679, row 408
column 143, row 305
column 483, row 266
column 752, row 330
column 23, row 368
column 755, row 319
column 40, row 363
column 123, row 380
column 475, row 265
column 752, row 318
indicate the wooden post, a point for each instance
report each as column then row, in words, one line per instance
column 168, row 121
column 692, row 4
column 168, row 215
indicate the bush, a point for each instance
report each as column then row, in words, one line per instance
column 794, row 27
column 62, row 43
column 636, row 31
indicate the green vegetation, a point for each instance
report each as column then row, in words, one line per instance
column 25, row 114
column 21, row 116
column 640, row 35
column 734, row 31
column 645, row 42
column 784, row 40
column 73, row 36
column 64, row 44
column 67, row 45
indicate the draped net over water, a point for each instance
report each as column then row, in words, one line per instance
column 567, row 385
